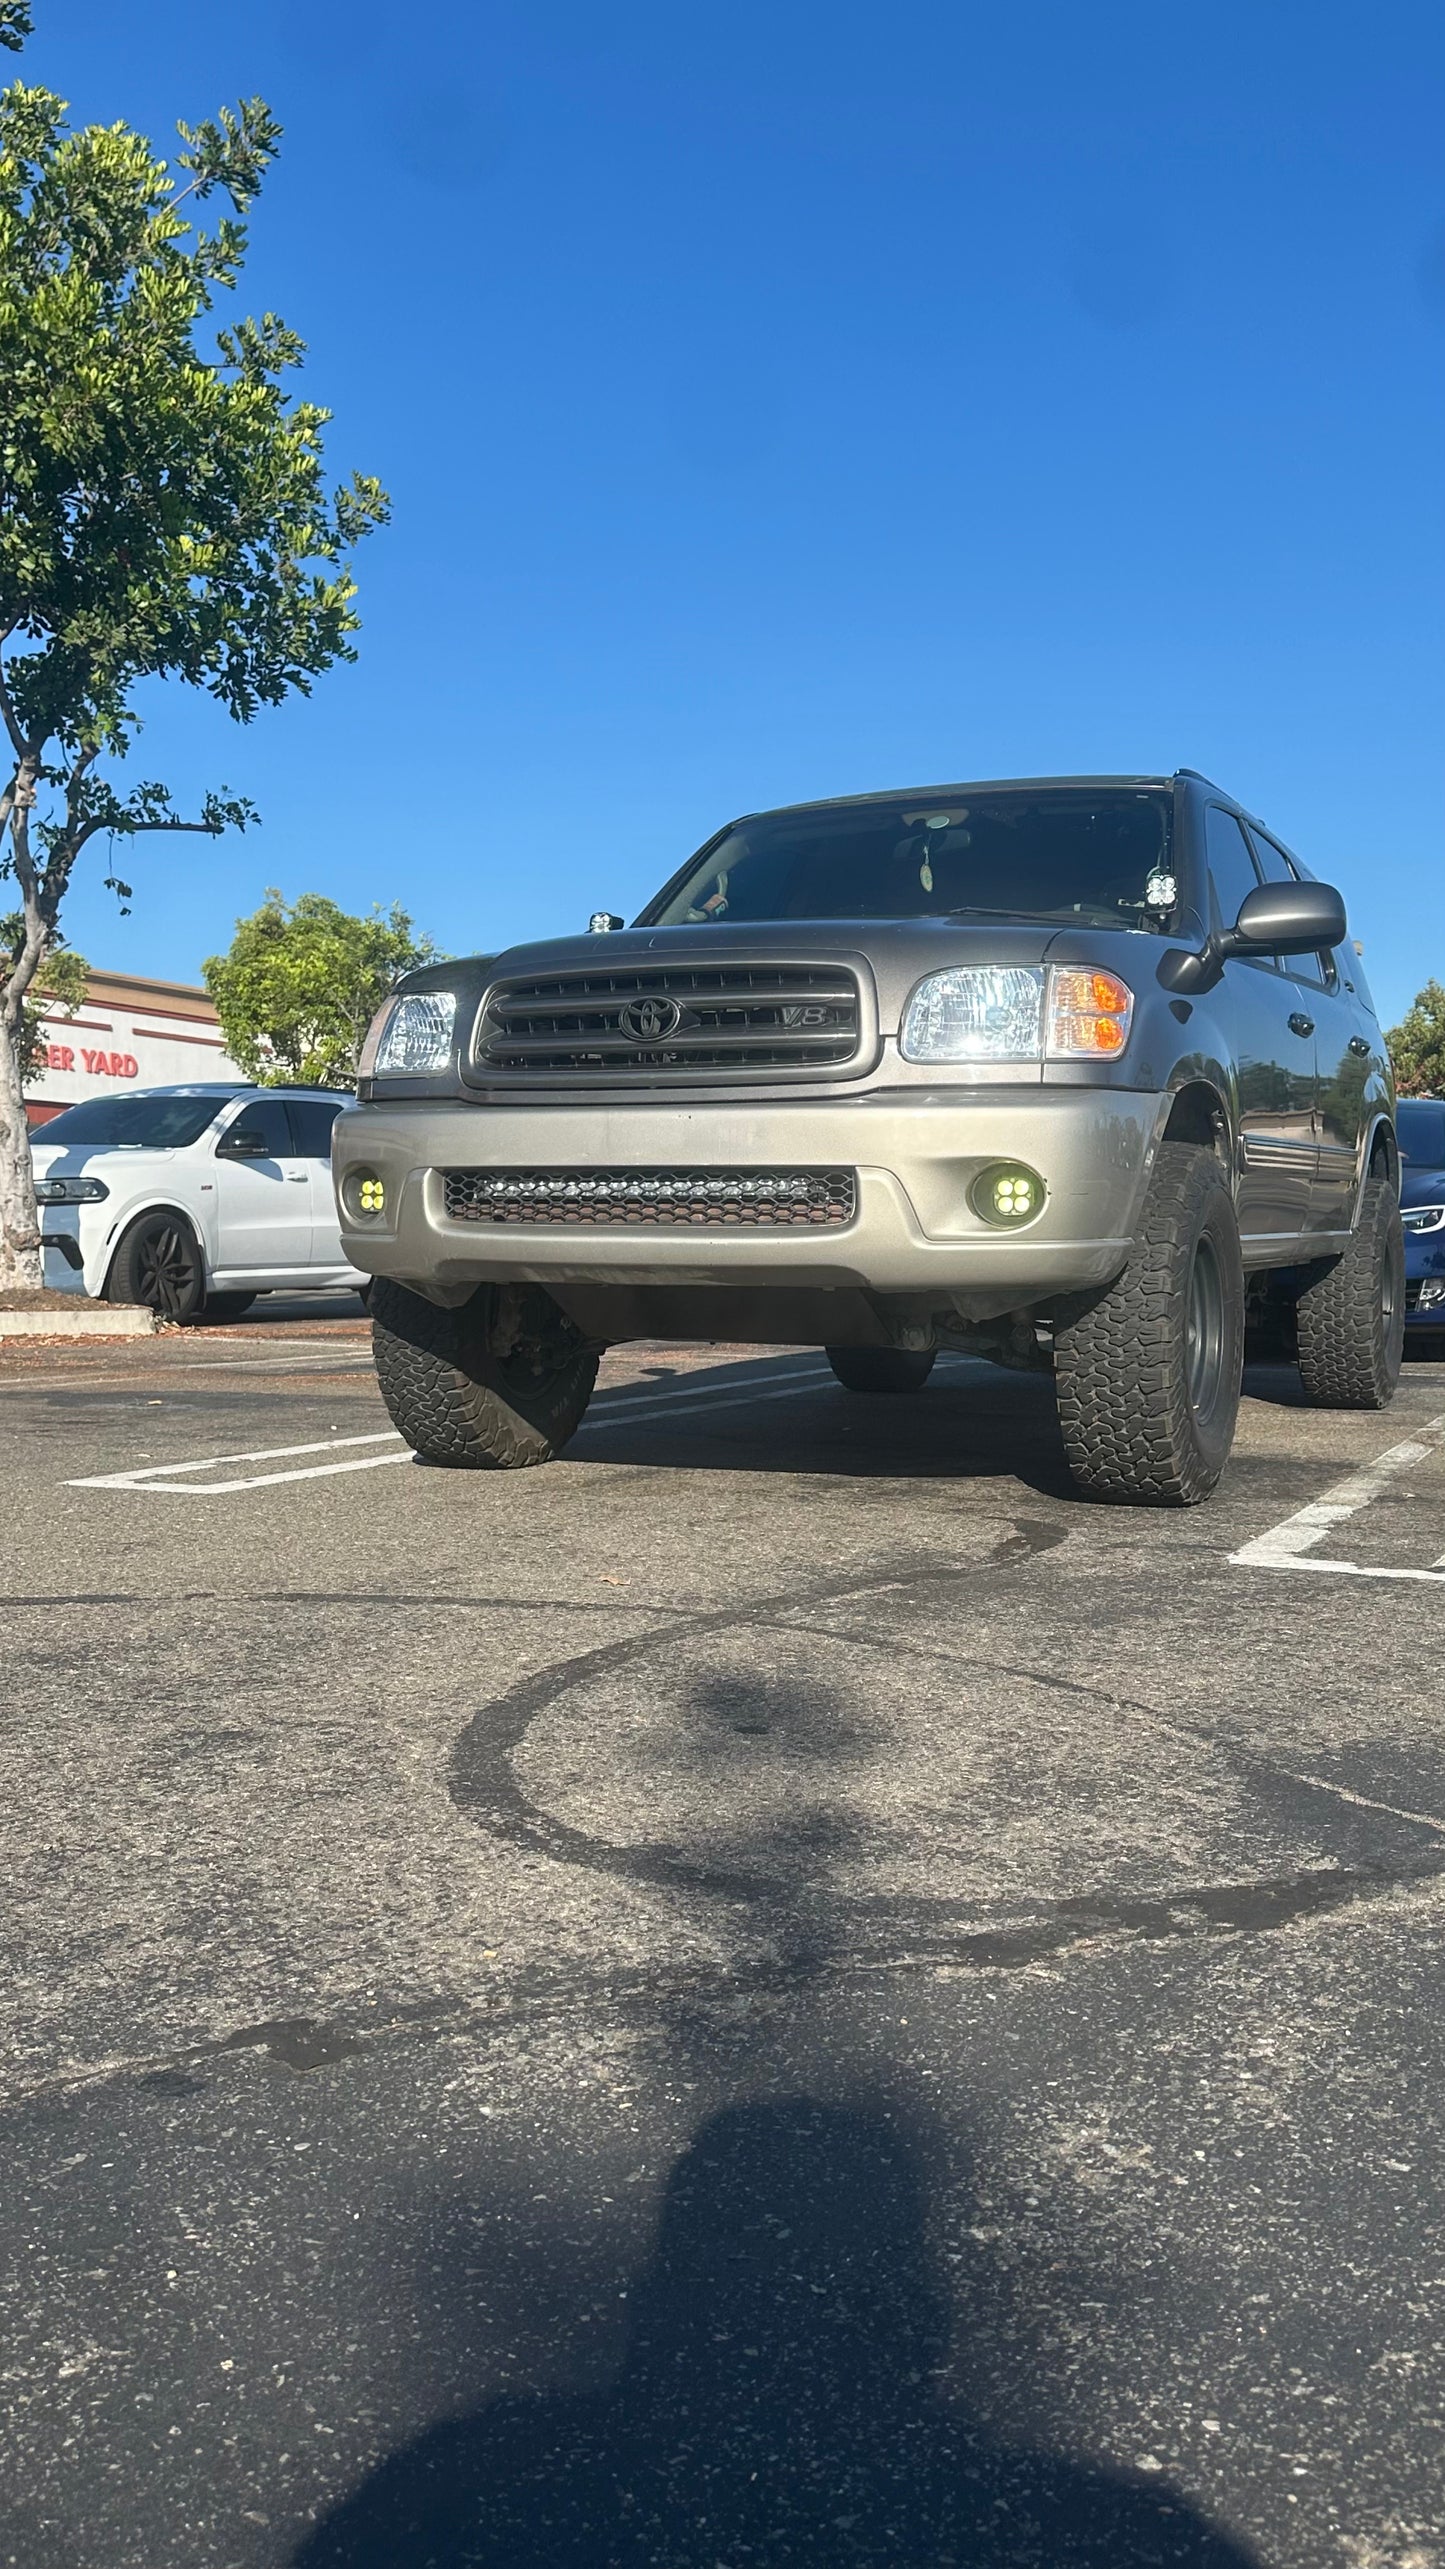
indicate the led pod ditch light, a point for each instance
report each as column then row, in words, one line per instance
column 1017, row 1012
column 1008, row 1194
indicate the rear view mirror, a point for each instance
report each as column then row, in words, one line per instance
column 1288, row 918
column 242, row 1143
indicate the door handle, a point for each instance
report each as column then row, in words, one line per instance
column 1359, row 1045
column 1300, row 1024
column 296, row 1177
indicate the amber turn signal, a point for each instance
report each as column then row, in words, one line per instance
column 1089, row 1013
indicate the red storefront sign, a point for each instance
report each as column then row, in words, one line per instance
column 98, row 1065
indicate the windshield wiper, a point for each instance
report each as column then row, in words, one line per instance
column 980, row 910
column 1031, row 918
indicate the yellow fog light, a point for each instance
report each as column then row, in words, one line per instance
column 1007, row 1194
column 370, row 1195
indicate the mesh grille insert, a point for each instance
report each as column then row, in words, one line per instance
column 653, row 1199
column 671, row 1020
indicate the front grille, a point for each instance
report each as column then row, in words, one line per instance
column 672, row 1020
column 654, row 1199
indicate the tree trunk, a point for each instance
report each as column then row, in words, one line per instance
column 20, row 1260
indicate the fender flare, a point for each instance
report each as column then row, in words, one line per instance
column 1382, row 1122
column 1198, row 1096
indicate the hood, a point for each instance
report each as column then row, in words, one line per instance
column 1421, row 1186
column 74, row 1159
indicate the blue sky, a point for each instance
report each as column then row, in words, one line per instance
column 792, row 397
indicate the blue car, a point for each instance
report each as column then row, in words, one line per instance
column 1420, row 1123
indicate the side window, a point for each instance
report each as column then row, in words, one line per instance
column 268, row 1118
column 1273, row 864
column 311, row 1121
column 1231, row 867
column 1320, row 970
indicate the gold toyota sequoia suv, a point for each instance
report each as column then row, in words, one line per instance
column 1078, row 1073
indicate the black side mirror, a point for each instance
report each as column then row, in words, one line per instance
column 1287, row 918
column 1275, row 918
column 243, row 1144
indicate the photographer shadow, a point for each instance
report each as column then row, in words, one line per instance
column 780, row 2405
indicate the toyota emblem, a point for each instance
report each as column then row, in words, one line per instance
column 649, row 1021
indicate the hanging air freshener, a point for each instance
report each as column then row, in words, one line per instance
column 935, row 821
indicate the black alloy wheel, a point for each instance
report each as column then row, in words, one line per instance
column 1207, row 1348
column 159, row 1264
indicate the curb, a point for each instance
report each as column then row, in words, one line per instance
column 93, row 1320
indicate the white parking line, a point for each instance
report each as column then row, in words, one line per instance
column 1291, row 1544
column 177, row 1480
column 650, row 1404
column 164, row 1480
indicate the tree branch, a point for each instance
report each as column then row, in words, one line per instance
column 63, row 855
column 18, row 741
column 134, row 829
column 27, row 962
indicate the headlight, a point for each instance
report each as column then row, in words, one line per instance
column 70, row 1190
column 411, row 1035
column 1424, row 1217
column 977, row 1014
column 1012, row 1013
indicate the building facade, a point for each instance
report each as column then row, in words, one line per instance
column 126, row 1033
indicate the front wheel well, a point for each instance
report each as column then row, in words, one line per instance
column 148, row 1213
column 1197, row 1114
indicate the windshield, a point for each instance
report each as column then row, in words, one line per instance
column 134, row 1123
column 1063, row 854
column 1420, row 1125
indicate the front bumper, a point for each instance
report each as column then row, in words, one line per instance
column 67, row 1248
column 913, row 1230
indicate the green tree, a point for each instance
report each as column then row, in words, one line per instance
column 164, row 512
column 301, row 983
column 1417, row 1045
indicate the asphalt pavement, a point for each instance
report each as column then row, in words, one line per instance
column 780, row 1991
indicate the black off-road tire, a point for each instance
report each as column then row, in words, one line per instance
column 1148, row 1377
column 456, row 1400
column 226, row 1306
column 159, row 1263
column 880, row 1369
column 1351, row 1319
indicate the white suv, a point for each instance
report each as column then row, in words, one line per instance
column 191, row 1199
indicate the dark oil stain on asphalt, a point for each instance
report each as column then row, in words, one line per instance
column 484, row 1786
column 307, row 2044
column 298, row 2042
